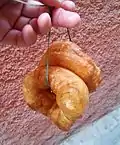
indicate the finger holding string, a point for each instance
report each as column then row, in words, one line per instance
column 48, row 54
column 67, row 5
column 48, row 51
column 56, row 17
column 64, row 16
column 42, row 21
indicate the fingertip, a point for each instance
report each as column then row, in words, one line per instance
column 64, row 18
column 44, row 23
column 68, row 5
column 29, row 35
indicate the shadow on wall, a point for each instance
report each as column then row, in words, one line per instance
column 104, row 131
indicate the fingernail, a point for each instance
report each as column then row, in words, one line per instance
column 68, row 5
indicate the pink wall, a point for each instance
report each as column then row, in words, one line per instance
column 99, row 36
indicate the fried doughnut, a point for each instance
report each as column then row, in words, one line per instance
column 72, row 76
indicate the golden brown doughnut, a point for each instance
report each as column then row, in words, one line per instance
column 72, row 76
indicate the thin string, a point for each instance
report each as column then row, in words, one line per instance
column 68, row 32
column 47, row 61
column 48, row 52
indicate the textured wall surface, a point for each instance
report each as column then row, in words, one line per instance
column 99, row 36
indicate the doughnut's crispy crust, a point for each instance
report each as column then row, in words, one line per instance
column 72, row 75
column 68, row 55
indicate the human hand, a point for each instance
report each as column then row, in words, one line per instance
column 20, row 24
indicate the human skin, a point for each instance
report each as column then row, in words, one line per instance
column 21, row 24
column 98, row 36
